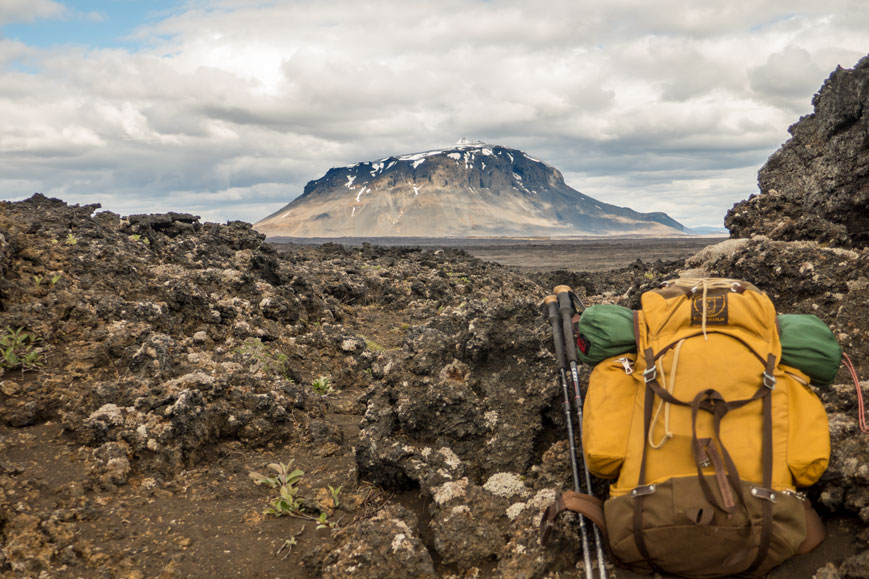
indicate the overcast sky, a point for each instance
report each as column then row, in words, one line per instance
column 226, row 108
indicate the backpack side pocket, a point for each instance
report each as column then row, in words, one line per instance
column 808, row 431
column 607, row 415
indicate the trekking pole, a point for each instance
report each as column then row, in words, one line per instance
column 551, row 303
column 566, row 308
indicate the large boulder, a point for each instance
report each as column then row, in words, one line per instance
column 816, row 187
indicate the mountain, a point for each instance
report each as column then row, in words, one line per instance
column 470, row 189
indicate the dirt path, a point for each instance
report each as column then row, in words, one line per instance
column 205, row 522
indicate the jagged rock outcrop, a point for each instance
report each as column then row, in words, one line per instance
column 471, row 189
column 805, row 240
column 816, row 187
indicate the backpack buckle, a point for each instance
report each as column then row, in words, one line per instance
column 650, row 374
column 768, row 380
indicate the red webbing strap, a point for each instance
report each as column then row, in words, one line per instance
column 861, row 410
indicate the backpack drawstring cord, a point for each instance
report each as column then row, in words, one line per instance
column 669, row 387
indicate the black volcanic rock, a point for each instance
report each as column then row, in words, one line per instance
column 816, row 187
column 471, row 189
column 176, row 359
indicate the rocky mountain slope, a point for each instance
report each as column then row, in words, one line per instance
column 471, row 189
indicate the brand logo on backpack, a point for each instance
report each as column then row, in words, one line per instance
column 716, row 310
column 582, row 343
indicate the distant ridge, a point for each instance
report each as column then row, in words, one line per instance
column 472, row 189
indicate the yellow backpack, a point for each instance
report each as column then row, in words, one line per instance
column 707, row 436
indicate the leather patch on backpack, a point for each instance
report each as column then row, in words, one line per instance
column 716, row 310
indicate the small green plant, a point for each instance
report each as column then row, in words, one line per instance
column 648, row 275
column 334, row 492
column 19, row 350
column 71, row 239
column 287, row 502
column 323, row 522
column 138, row 237
column 288, row 545
column 322, row 385
column 51, row 281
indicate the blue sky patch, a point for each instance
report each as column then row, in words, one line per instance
column 106, row 24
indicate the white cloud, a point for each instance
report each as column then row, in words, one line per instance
column 29, row 10
column 230, row 107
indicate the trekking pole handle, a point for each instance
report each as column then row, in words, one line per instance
column 551, row 303
column 565, row 307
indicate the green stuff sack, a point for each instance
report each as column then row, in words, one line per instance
column 605, row 330
column 809, row 345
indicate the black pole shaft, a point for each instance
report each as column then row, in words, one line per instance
column 566, row 312
column 558, row 338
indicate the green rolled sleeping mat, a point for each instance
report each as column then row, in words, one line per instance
column 607, row 330
column 810, row 346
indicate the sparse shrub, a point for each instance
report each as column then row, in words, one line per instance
column 288, row 502
column 20, row 350
column 373, row 346
column 138, row 237
column 270, row 361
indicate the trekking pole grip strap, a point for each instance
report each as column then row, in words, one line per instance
column 588, row 506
